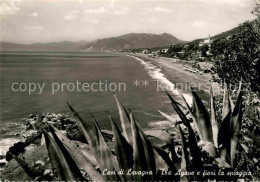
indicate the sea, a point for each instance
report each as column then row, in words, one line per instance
column 43, row 82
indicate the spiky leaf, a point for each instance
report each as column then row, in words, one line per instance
column 214, row 122
column 224, row 138
column 85, row 162
column 176, row 107
column 123, row 150
column 192, row 115
column 105, row 158
column 125, row 121
column 226, row 103
column 144, row 159
column 236, row 121
column 86, row 129
column 202, row 118
column 185, row 154
column 232, row 105
column 168, row 117
column 166, row 159
column 61, row 160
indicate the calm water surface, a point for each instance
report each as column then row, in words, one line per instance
column 60, row 68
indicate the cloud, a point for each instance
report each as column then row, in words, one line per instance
column 74, row 11
column 95, row 21
column 9, row 7
column 111, row 10
column 157, row 9
column 100, row 10
column 199, row 24
column 163, row 10
column 80, row 1
column 152, row 20
column 34, row 28
column 238, row 3
column 149, row 20
column 34, row 14
column 121, row 11
column 112, row 3
column 69, row 17
column 72, row 14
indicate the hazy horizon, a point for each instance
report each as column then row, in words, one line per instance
column 43, row 21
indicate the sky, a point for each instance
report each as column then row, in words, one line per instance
column 31, row 21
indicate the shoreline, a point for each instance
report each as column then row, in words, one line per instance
column 174, row 72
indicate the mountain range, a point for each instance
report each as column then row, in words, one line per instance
column 52, row 46
column 128, row 41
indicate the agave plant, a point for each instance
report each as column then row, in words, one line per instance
column 135, row 156
column 220, row 140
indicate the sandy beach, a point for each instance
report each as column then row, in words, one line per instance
column 174, row 71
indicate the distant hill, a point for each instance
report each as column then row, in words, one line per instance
column 218, row 36
column 132, row 41
column 198, row 49
column 52, row 46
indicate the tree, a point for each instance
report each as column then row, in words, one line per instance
column 238, row 56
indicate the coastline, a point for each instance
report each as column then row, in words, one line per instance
column 174, row 71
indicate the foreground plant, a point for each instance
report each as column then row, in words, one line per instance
column 220, row 140
column 136, row 158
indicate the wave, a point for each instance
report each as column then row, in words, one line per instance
column 6, row 144
column 156, row 74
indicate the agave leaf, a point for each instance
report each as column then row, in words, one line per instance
column 43, row 140
column 85, row 162
column 192, row 115
column 125, row 121
column 166, row 160
column 185, row 154
column 192, row 138
column 202, row 118
column 170, row 118
column 123, row 150
column 144, row 159
column 226, row 103
column 70, row 146
column 246, row 149
column 187, row 105
column 139, row 156
column 194, row 149
column 236, row 121
column 61, row 159
column 159, row 138
column 232, row 105
column 177, row 109
column 224, row 138
column 106, row 159
column 214, row 122
column 86, row 129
